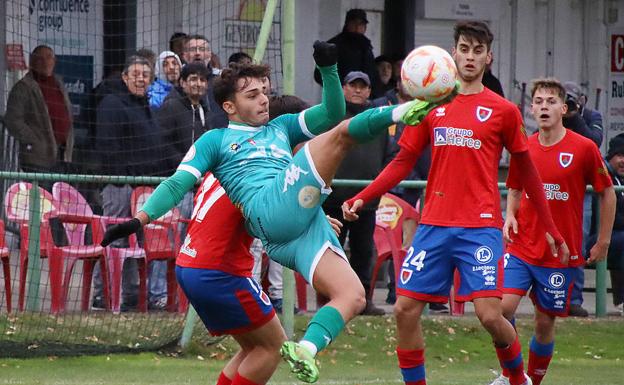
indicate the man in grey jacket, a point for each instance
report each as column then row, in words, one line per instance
column 39, row 116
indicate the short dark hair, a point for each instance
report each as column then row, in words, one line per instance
column 236, row 57
column 286, row 104
column 226, row 85
column 550, row 84
column 136, row 59
column 177, row 36
column 197, row 37
column 474, row 31
column 147, row 54
column 194, row 68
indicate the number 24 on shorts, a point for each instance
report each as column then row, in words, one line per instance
column 417, row 261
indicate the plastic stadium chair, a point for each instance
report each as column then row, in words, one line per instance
column 70, row 203
column 16, row 206
column 6, row 268
column 395, row 227
column 161, row 241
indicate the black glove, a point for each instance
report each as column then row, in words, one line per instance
column 325, row 54
column 121, row 230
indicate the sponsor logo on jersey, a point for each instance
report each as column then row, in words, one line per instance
column 556, row 280
column 490, row 280
column 565, row 159
column 190, row 154
column 554, row 193
column 483, row 255
column 483, row 113
column 406, row 274
column 556, row 293
column 292, row 176
column 253, row 142
column 440, row 111
column 309, row 196
column 451, row 136
column 187, row 249
column 559, row 304
column 235, row 147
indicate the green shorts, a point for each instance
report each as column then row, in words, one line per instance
column 286, row 215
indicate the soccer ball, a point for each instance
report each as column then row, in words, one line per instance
column 428, row 73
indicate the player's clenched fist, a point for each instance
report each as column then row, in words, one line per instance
column 121, row 230
column 325, row 54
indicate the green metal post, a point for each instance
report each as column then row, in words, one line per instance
column 265, row 30
column 189, row 326
column 34, row 249
column 288, row 69
column 601, row 279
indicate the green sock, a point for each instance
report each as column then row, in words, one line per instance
column 367, row 125
column 324, row 327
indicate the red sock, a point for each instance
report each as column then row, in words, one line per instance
column 240, row 380
column 223, row 380
column 510, row 358
column 539, row 359
column 412, row 364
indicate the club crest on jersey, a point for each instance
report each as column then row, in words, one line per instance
column 234, row 147
column 406, row 274
column 565, row 159
column 556, row 280
column 483, row 113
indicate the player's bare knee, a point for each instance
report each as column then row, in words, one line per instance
column 406, row 310
column 490, row 320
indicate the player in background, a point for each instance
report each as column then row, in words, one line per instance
column 461, row 221
column 280, row 194
column 566, row 162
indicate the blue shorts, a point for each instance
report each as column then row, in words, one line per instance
column 226, row 303
column 551, row 287
column 287, row 217
column 428, row 268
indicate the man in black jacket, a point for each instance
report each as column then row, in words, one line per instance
column 130, row 142
column 615, row 256
column 355, row 52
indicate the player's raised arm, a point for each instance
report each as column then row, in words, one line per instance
column 199, row 159
column 331, row 111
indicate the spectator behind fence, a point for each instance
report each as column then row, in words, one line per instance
column 240, row 58
column 362, row 162
column 355, row 52
column 38, row 115
column 198, row 50
column 176, row 44
column 588, row 123
column 131, row 143
column 384, row 70
column 615, row 256
column 167, row 78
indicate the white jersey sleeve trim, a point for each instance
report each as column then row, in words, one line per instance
column 304, row 127
column 191, row 169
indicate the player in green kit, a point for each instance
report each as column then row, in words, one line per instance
column 280, row 195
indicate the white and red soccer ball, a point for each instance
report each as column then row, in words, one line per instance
column 428, row 73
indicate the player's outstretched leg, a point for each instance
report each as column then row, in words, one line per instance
column 334, row 279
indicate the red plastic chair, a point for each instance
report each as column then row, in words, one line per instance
column 396, row 224
column 161, row 241
column 17, row 210
column 70, row 203
column 6, row 267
